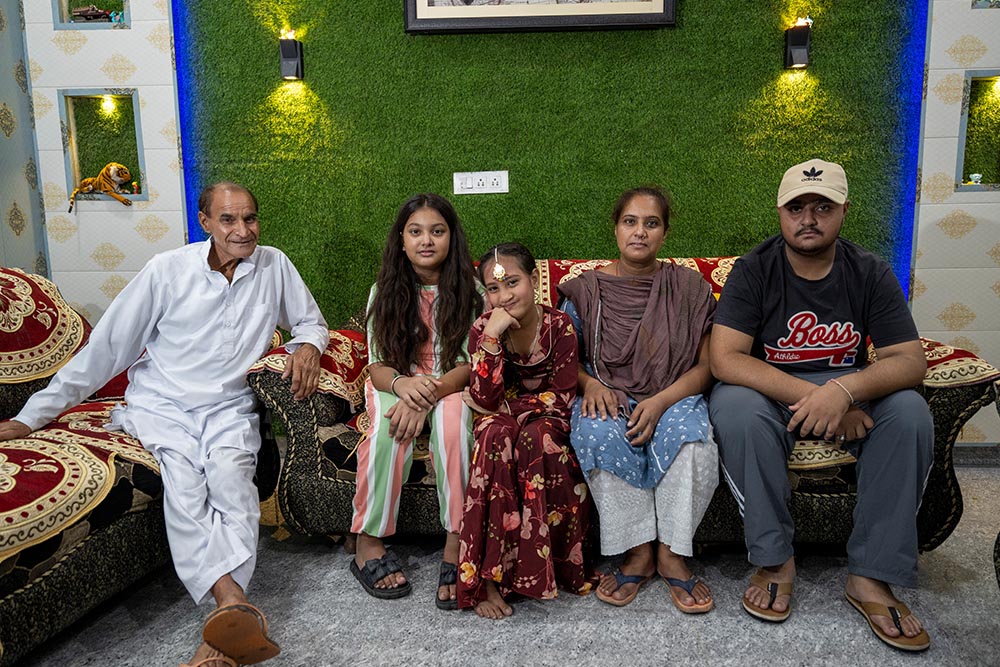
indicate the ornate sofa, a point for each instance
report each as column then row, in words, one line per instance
column 81, row 515
column 316, row 485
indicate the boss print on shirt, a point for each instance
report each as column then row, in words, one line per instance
column 808, row 340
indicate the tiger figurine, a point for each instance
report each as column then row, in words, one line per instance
column 110, row 181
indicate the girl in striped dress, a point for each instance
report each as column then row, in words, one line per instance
column 419, row 312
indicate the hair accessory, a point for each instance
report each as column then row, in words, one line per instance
column 499, row 273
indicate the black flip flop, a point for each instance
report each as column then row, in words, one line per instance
column 447, row 576
column 377, row 569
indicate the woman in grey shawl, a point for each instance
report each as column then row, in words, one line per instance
column 640, row 425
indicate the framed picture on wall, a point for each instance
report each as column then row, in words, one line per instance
column 437, row 16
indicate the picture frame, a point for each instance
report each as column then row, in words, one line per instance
column 454, row 16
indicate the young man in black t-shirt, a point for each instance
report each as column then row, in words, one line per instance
column 789, row 347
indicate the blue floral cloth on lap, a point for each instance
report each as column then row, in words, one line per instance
column 603, row 445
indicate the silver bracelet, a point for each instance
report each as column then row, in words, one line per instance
column 392, row 385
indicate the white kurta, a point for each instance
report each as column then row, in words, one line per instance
column 188, row 398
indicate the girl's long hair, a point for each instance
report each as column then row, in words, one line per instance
column 397, row 329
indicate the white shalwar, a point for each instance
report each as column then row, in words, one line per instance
column 188, row 399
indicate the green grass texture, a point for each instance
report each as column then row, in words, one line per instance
column 104, row 136
column 704, row 109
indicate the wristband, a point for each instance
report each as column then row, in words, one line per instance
column 491, row 340
column 392, row 385
column 846, row 390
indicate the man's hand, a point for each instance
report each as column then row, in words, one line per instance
column 855, row 425
column 598, row 400
column 405, row 423
column 643, row 420
column 303, row 367
column 818, row 413
column 13, row 429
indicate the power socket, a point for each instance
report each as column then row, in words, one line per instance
column 480, row 182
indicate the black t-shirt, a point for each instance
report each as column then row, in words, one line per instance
column 801, row 325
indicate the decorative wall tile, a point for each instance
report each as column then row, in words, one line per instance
column 957, row 224
column 958, row 300
column 3, row 21
column 35, row 71
column 136, row 236
column 994, row 253
column 8, row 121
column 937, row 188
column 61, row 228
column 21, row 76
column 16, row 219
column 119, row 68
column 957, row 236
column 43, row 105
column 55, row 197
column 967, row 50
column 113, row 286
column 70, row 41
column 957, row 316
column 161, row 5
column 107, row 256
column 159, row 37
column 83, row 289
column 31, row 173
column 152, row 228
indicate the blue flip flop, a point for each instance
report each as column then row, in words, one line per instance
column 620, row 580
column 688, row 586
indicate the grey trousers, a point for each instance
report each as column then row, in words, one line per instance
column 894, row 460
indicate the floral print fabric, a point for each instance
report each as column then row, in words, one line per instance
column 527, row 509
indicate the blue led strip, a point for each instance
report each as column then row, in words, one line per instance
column 911, row 59
column 187, row 101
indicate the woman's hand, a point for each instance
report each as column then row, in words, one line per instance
column 500, row 320
column 475, row 407
column 598, row 400
column 418, row 392
column 643, row 421
column 405, row 423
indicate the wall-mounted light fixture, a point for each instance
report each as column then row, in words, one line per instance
column 797, row 44
column 291, row 56
column 108, row 105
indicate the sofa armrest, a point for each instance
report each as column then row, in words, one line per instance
column 957, row 385
column 303, row 464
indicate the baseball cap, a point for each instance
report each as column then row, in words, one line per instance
column 814, row 177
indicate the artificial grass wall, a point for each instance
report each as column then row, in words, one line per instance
column 576, row 117
column 982, row 134
column 105, row 136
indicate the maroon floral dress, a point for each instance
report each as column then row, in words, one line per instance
column 527, row 509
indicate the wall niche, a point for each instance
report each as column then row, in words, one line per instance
column 100, row 127
column 91, row 14
column 980, row 132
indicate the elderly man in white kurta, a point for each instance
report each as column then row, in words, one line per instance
column 203, row 314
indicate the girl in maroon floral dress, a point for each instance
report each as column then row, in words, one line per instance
column 526, row 511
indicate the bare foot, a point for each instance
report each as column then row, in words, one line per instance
column 669, row 564
column 864, row 589
column 450, row 556
column 493, row 607
column 759, row 597
column 226, row 592
column 638, row 562
column 372, row 547
column 206, row 652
